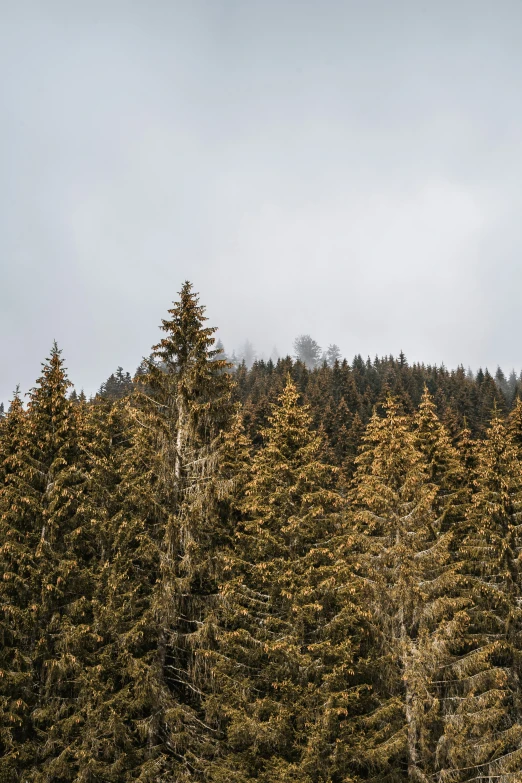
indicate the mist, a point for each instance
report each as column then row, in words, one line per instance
column 346, row 170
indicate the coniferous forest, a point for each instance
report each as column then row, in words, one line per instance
column 285, row 573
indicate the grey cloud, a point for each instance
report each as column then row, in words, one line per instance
column 345, row 169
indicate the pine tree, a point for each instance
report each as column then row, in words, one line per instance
column 405, row 565
column 483, row 733
column 283, row 665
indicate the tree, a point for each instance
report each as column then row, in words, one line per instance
column 512, row 386
column 18, row 590
column 405, row 566
column 467, row 449
column 482, row 730
column 287, row 644
column 221, row 348
column 105, row 435
column 247, row 354
column 351, row 440
column 333, row 354
column 117, row 385
column 443, row 462
column 64, row 640
column 515, row 425
column 307, row 351
column 162, row 573
column 489, row 398
column 502, row 382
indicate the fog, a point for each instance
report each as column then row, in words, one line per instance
column 349, row 170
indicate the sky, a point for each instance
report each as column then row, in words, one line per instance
column 348, row 169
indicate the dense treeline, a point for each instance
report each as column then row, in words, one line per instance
column 215, row 573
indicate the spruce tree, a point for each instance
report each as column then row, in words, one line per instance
column 65, row 639
column 489, row 397
column 515, row 425
column 289, row 627
column 467, row 449
column 404, row 563
column 162, row 570
column 482, row 729
column 443, row 462
column 352, row 440
column 18, row 593
column 104, row 439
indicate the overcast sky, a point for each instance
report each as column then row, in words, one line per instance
column 350, row 169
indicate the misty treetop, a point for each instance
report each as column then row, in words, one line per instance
column 296, row 570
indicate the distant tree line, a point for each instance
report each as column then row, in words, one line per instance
column 301, row 571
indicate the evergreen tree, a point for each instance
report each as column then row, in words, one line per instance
column 307, row 351
column 502, row 382
column 283, row 666
column 333, row 354
column 482, row 732
column 162, row 574
column 490, row 397
column 64, row 558
column 18, row 593
column 515, row 425
column 351, row 442
column 247, row 354
column 405, row 565
column 443, row 463
column 104, row 438
column 117, row 385
column 512, row 387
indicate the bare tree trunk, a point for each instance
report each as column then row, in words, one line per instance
column 180, row 436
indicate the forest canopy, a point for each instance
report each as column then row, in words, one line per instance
column 300, row 570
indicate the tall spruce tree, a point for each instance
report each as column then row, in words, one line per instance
column 64, row 638
column 404, row 563
column 18, row 593
column 104, row 439
column 482, row 737
column 289, row 628
column 162, row 570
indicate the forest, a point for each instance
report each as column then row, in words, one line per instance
column 295, row 571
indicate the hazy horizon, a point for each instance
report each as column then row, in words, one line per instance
column 347, row 170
